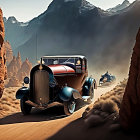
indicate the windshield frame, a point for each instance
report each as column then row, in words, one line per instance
column 71, row 60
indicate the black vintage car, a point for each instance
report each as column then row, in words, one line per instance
column 57, row 80
column 107, row 79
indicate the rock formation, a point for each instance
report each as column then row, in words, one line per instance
column 12, row 67
column 18, row 70
column 19, row 62
column 24, row 70
column 130, row 107
column 9, row 52
column 3, row 72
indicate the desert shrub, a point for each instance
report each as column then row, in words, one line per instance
column 109, row 106
column 106, row 106
column 116, row 99
column 98, row 104
column 94, row 120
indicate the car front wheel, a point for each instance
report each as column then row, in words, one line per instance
column 25, row 108
column 69, row 107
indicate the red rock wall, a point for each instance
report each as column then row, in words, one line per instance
column 2, row 32
column 130, row 107
column 3, row 72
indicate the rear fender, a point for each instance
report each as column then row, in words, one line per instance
column 24, row 91
column 67, row 93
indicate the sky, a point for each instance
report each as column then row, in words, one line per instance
column 25, row 10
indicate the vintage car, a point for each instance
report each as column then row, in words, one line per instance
column 57, row 80
column 107, row 79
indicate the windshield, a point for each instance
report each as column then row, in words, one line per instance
column 55, row 61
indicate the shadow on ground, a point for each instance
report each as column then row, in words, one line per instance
column 52, row 113
column 78, row 130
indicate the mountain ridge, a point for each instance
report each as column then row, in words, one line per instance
column 94, row 33
column 119, row 7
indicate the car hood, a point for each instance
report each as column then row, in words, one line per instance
column 61, row 69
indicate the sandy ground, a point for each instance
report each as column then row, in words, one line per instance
column 40, row 124
column 8, row 102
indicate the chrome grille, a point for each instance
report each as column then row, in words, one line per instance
column 41, row 87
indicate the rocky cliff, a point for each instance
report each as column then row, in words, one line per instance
column 2, row 55
column 130, row 107
column 9, row 52
column 2, row 31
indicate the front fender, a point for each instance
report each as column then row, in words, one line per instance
column 67, row 93
column 88, row 83
column 92, row 81
column 24, row 91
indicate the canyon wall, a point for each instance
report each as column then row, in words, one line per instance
column 3, row 72
column 130, row 107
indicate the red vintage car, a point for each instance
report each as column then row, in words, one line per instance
column 57, row 80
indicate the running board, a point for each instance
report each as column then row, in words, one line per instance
column 85, row 98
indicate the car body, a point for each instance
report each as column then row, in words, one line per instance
column 57, row 80
column 107, row 79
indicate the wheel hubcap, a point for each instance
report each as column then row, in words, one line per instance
column 72, row 106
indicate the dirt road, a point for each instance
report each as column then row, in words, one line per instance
column 40, row 124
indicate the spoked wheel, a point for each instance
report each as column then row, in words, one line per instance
column 91, row 94
column 25, row 108
column 69, row 107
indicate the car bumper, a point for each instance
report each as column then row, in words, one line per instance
column 43, row 107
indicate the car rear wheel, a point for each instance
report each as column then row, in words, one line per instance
column 25, row 108
column 91, row 94
column 69, row 107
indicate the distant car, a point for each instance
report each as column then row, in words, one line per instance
column 107, row 79
column 57, row 80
